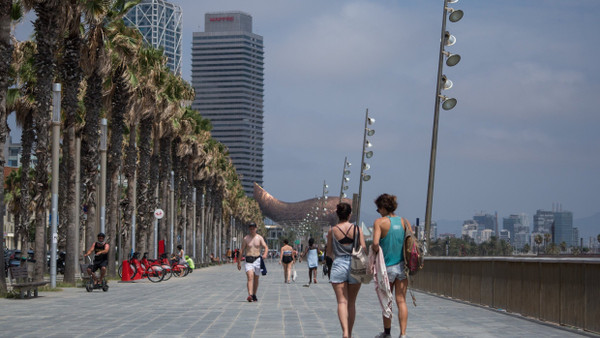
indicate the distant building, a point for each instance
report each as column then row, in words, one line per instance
column 563, row 228
column 576, row 241
column 542, row 221
column 486, row 235
column 504, row 235
column 160, row 24
column 447, row 236
column 485, row 221
column 228, row 76
column 469, row 229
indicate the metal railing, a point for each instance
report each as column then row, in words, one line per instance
column 565, row 291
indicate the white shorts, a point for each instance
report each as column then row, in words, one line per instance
column 254, row 266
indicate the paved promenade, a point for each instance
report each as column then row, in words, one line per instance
column 211, row 302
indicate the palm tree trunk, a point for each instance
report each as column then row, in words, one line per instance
column 27, row 138
column 5, row 60
column 91, row 158
column 164, row 174
column 71, row 76
column 129, row 168
column 152, row 186
column 115, row 158
column 45, row 66
column 143, row 181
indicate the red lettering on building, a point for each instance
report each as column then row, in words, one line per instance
column 222, row 18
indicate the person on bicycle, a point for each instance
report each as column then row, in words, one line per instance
column 100, row 249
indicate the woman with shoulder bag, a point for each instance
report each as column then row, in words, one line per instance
column 340, row 241
column 388, row 236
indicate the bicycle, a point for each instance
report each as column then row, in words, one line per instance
column 153, row 269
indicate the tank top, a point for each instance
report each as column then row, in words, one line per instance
column 344, row 246
column 393, row 242
column 312, row 258
column 99, row 246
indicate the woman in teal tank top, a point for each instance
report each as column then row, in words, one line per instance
column 388, row 236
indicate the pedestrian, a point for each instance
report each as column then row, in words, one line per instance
column 251, row 246
column 180, row 255
column 340, row 241
column 312, row 259
column 229, row 256
column 286, row 259
column 388, row 236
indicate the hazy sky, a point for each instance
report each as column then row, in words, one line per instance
column 523, row 135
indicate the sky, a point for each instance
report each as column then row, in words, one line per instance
column 522, row 137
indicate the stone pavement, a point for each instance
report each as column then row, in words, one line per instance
column 211, row 302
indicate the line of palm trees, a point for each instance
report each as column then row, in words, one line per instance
column 106, row 71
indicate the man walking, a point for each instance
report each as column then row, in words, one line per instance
column 251, row 246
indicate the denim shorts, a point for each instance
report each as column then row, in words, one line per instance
column 396, row 272
column 340, row 270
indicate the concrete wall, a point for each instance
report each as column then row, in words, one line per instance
column 565, row 291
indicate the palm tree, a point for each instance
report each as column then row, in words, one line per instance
column 6, row 49
column 123, row 43
column 46, row 27
column 563, row 246
column 547, row 239
column 70, row 73
column 21, row 101
column 538, row 240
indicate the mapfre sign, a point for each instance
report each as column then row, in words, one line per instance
column 221, row 18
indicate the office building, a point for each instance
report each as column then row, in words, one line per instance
column 485, row 221
column 563, row 228
column 542, row 221
column 227, row 76
column 160, row 23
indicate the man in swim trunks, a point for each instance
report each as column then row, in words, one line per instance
column 251, row 246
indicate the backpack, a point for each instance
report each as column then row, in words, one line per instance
column 413, row 250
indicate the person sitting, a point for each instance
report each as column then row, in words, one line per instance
column 100, row 249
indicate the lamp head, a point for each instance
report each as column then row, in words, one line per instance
column 369, row 154
column 370, row 132
column 452, row 60
column 455, row 15
column 370, row 120
column 366, row 177
column 449, row 39
column 448, row 103
column 446, row 83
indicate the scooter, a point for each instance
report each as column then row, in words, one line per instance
column 91, row 286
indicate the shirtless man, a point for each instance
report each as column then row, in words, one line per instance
column 251, row 248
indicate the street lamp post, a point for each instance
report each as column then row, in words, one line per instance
column 345, row 178
column 56, row 90
column 364, row 166
column 103, row 137
column 446, row 103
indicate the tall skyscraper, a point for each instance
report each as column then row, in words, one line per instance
column 159, row 22
column 227, row 75
column 563, row 227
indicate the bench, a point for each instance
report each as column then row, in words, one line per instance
column 19, row 280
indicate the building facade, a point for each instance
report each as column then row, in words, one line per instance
column 563, row 228
column 160, row 23
column 228, row 76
